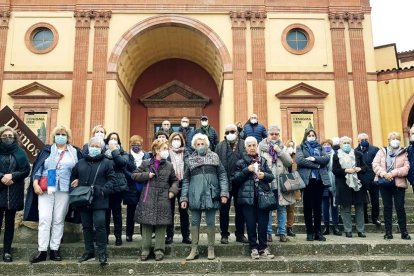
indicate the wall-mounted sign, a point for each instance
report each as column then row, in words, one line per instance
column 300, row 121
column 36, row 121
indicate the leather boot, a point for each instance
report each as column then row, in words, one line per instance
column 326, row 230
column 39, row 256
column 336, row 231
column 195, row 231
column 211, row 235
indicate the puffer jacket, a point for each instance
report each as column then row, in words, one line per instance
column 282, row 164
column 154, row 207
column 401, row 167
column 119, row 161
column 248, row 190
column 205, row 184
column 305, row 166
column 258, row 131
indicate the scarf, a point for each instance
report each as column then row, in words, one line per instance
column 137, row 157
column 196, row 160
column 54, row 155
column 390, row 158
column 347, row 161
column 206, row 130
column 272, row 151
column 177, row 160
column 16, row 151
column 253, row 160
column 315, row 150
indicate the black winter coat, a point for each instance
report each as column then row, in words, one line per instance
column 85, row 171
column 12, row 197
column 345, row 195
column 244, row 178
column 368, row 156
column 119, row 161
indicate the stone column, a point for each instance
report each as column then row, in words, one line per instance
column 80, row 76
column 343, row 108
column 4, row 28
column 359, row 72
column 257, row 28
column 100, row 52
column 238, row 20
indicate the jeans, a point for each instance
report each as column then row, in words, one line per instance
column 115, row 201
column 147, row 230
column 94, row 219
column 225, row 213
column 373, row 191
column 329, row 210
column 389, row 194
column 256, row 219
column 184, row 219
column 130, row 219
column 281, row 219
column 347, row 217
column 9, row 216
column 210, row 217
column 312, row 205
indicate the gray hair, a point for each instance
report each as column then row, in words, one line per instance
column 200, row 136
column 346, row 139
column 336, row 141
column 273, row 127
column 97, row 140
column 250, row 140
column 231, row 126
column 360, row 135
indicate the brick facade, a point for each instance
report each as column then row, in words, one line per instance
column 4, row 28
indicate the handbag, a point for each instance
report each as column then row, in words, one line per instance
column 382, row 181
column 82, row 196
column 291, row 182
column 50, row 179
column 43, row 183
column 267, row 200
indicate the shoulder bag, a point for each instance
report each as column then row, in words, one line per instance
column 291, row 182
column 266, row 199
column 382, row 181
column 82, row 196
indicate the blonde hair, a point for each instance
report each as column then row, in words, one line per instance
column 95, row 128
column 346, row 139
column 157, row 144
column 394, row 133
column 61, row 128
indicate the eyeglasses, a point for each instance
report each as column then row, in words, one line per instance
column 184, row 121
column 230, row 131
column 7, row 136
column 274, row 134
column 60, row 134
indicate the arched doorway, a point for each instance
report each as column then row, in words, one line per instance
column 164, row 49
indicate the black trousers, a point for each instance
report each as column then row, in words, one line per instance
column 130, row 219
column 90, row 219
column 184, row 219
column 225, row 214
column 9, row 216
column 115, row 206
column 312, row 206
column 389, row 194
column 373, row 191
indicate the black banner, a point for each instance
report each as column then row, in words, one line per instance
column 31, row 143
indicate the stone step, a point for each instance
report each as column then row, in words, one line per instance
column 221, row 265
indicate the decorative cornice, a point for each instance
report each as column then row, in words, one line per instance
column 337, row 20
column 102, row 18
column 4, row 18
column 355, row 20
column 258, row 19
column 239, row 18
column 83, row 18
column 312, row 92
column 25, row 92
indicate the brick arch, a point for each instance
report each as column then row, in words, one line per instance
column 406, row 115
column 169, row 20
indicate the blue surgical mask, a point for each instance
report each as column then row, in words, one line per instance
column 201, row 150
column 346, row 148
column 93, row 151
column 61, row 140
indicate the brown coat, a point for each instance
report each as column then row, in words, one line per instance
column 154, row 207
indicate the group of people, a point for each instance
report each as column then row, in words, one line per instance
column 193, row 168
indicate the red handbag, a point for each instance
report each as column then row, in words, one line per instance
column 43, row 183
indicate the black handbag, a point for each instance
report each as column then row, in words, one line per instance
column 291, row 182
column 382, row 181
column 82, row 196
column 267, row 200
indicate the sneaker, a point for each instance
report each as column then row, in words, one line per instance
column 265, row 254
column 255, row 254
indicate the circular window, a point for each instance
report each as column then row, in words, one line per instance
column 41, row 38
column 297, row 39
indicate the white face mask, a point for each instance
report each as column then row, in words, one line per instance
column 231, row 137
column 184, row 124
column 164, row 154
column 253, row 121
column 204, row 123
column 290, row 150
column 395, row 143
column 311, row 138
column 100, row 135
column 412, row 138
column 176, row 144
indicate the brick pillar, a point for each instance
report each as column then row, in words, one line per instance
column 4, row 28
column 80, row 75
column 238, row 20
column 257, row 28
column 100, row 52
column 344, row 119
column 359, row 73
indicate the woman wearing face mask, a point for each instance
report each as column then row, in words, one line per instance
column 114, row 152
column 178, row 154
column 54, row 162
column 95, row 170
column 392, row 163
column 154, row 207
column 279, row 160
column 14, row 168
column 131, row 197
column 329, row 206
column 347, row 166
column 204, row 187
column 311, row 162
column 98, row 131
column 290, row 209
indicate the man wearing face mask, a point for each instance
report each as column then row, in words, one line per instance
column 166, row 128
column 230, row 150
column 367, row 179
column 187, row 132
column 253, row 128
column 208, row 130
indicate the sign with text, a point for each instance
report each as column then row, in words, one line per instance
column 31, row 143
column 300, row 121
column 37, row 123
